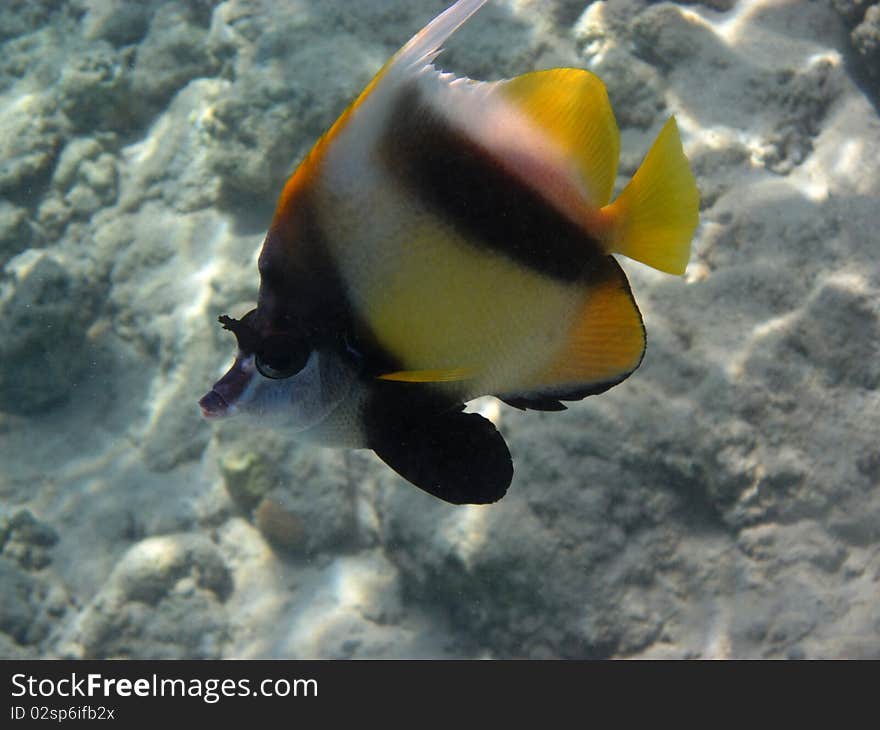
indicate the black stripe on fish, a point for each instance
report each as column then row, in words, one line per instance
column 302, row 292
column 491, row 207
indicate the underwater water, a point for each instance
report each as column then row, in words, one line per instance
column 724, row 501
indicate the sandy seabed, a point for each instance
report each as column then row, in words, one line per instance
column 722, row 502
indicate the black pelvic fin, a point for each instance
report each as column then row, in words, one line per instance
column 458, row 457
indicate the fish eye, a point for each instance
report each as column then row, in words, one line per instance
column 281, row 357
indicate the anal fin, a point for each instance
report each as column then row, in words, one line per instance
column 605, row 345
column 551, row 400
column 533, row 402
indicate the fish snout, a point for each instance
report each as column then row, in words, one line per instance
column 226, row 393
column 213, row 405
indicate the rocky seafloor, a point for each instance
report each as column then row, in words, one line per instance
column 722, row 502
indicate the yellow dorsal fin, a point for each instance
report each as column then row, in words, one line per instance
column 654, row 219
column 605, row 343
column 571, row 105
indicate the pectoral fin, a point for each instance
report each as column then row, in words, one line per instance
column 457, row 457
column 450, row 375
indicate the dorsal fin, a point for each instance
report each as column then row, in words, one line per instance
column 424, row 45
column 571, row 106
column 415, row 56
column 554, row 130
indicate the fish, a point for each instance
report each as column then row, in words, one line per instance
column 448, row 239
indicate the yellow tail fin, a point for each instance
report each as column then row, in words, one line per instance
column 654, row 219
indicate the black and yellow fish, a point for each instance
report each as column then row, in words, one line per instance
column 448, row 239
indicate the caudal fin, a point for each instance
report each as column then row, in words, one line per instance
column 654, row 219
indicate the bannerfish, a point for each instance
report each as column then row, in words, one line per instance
column 448, row 239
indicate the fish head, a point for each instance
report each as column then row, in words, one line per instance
column 279, row 378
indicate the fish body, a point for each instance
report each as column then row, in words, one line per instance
column 448, row 239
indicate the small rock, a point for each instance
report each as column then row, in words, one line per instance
column 121, row 22
column 311, row 508
column 174, row 51
column 95, row 90
column 16, row 231
column 280, row 525
column 178, row 434
column 866, row 41
column 16, row 611
column 20, row 18
column 27, row 541
column 44, row 314
column 823, row 335
column 163, row 600
column 247, row 477
column 29, row 605
column 24, row 527
column 803, row 542
column 852, row 11
column 151, row 569
column 664, row 36
column 28, row 148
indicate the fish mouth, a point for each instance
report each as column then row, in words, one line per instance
column 226, row 393
column 213, row 405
